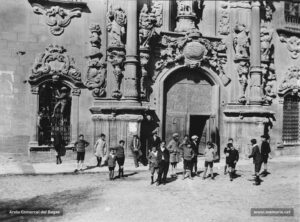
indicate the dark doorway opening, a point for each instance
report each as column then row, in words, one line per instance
column 54, row 112
column 199, row 126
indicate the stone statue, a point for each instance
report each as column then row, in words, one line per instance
column 241, row 42
column 265, row 39
column 96, row 78
column 147, row 21
column 116, row 22
column 62, row 102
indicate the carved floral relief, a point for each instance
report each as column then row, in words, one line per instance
column 292, row 44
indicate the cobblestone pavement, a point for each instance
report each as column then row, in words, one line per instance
column 92, row 197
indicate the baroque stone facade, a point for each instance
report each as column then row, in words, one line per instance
column 215, row 69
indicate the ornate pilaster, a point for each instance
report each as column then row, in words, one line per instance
column 131, row 78
column 75, row 115
column 96, row 72
column 34, row 119
column 255, row 92
column 116, row 23
column 148, row 22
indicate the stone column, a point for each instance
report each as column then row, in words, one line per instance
column 130, row 79
column 75, row 116
column 35, row 107
column 255, row 57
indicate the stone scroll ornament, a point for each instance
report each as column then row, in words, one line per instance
column 192, row 50
column 55, row 63
column 57, row 17
column 96, row 72
column 291, row 82
column 116, row 27
column 148, row 21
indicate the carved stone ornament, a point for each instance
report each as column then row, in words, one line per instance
column 266, row 49
column 96, row 72
column 292, row 44
column 116, row 57
column 269, row 80
column 192, row 50
column 224, row 28
column 241, row 42
column 116, row 23
column 55, row 63
column 145, row 84
column 76, row 92
column 56, row 17
column 147, row 22
column 291, row 82
column 186, row 16
column 243, row 71
column 267, row 10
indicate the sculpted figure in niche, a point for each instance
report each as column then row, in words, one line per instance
column 241, row 42
column 146, row 24
column 116, row 26
column 62, row 102
column 265, row 39
column 96, row 78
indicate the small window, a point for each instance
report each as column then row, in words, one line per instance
column 291, row 132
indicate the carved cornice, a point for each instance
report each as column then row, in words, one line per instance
column 57, row 18
column 291, row 82
column 192, row 50
column 55, row 64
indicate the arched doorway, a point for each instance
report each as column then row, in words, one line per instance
column 191, row 105
column 291, row 120
column 54, row 111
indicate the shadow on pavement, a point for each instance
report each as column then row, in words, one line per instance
column 52, row 201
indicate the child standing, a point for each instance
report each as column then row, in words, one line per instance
column 257, row 160
column 188, row 155
column 226, row 152
column 80, row 146
column 153, row 163
column 233, row 157
column 100, row 149
column 209, row 154
column 173, row 148
column 120, row 154
column 111, row 162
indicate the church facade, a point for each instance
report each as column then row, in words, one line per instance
column 216, row 69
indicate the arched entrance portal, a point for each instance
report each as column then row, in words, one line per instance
column 191, row 105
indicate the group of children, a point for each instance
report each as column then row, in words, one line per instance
column 161, row 156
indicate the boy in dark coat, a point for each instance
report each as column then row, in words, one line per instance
column 194, row 145
column 232, row 159
column 59, row 147
column 111, row 162
column 265, row 152
column 226, row 152
column 188, row 155
column 257, row 160
column 120, row 154
column 153, row 162
column 163, row 158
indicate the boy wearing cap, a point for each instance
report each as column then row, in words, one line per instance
column 111, row 162
column 232, row 159
column 265, row 151
column 80, row 146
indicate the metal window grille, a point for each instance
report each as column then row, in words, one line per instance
column 291, row 125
